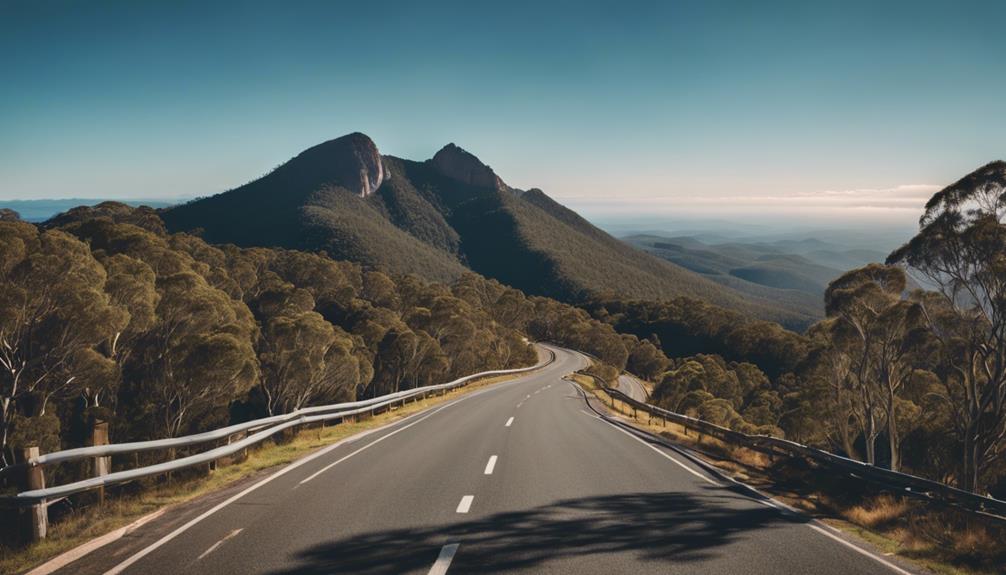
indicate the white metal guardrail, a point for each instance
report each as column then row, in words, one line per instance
column 909, row 484
column 260, row 430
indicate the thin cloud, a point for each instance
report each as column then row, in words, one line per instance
column 901, row 197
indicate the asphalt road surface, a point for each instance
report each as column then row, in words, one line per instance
column 632, row 387
column 521, row 477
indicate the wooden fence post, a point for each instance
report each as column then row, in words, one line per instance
column 37, row 517
column 102, row 465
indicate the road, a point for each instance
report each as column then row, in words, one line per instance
column 632, row 387
column 520, row 477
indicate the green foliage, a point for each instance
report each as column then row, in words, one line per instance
column 731, row 394
column 686, row 327
column 104, row 314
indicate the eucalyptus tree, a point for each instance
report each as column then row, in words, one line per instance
column 197, row 357
column 960, row 249
column 876, row 327
column 53, row 312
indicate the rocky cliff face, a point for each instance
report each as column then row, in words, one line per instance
column 457, row 164
column 352, row 162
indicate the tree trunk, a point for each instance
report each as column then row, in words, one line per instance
column 892, row 433
column 969, row 465
column 870, row 437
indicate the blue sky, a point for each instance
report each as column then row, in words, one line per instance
column 832, row 110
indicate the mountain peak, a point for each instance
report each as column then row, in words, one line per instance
column 351, row 161
column 458, row 164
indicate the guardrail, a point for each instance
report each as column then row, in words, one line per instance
column 247, row 434
column 910, row 484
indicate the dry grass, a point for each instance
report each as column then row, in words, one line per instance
column 87, row 523
column 942, row 540
column 877, row 512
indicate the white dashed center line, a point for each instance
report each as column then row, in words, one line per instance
column 491, row 465
column 218, row 544
column 444, row 560
column 509, row 422
column 466, row 503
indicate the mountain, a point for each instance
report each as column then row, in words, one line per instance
column 439, row 217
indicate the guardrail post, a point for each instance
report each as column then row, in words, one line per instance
column 36, row 517
column 102, row 465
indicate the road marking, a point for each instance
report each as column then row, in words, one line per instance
column 491, row 465
column 768, row 501
column 682, row 465
column 320, row 453
column 466, row 503
column 509, row 422
column 368, row 446
column 296, row 464
column 219, row 543
column 857, row 549
column 444, row 559
column 76, row 553
column 528, row 396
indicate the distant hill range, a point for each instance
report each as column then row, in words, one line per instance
column 805, row 266
column 438, row 217
column 41, row 210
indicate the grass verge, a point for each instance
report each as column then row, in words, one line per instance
column 87, row 523
column 940, row 539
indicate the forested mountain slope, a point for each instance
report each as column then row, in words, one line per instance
column 437, row 217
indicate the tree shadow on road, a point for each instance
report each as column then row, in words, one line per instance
column 685, row 527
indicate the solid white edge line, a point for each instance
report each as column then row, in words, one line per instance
column 371, row 444
column 72, row 555
column 465, row 504
column 860, row 550
column 509, row 422
column 491, row 465
column 219, row 543
column 444, row 559
column 307, row 459
column 770, row 502
column 678, row 463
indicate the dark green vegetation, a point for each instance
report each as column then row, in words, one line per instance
column 104, row 315
column 436, row 218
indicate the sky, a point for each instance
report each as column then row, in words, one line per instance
column 843, row 111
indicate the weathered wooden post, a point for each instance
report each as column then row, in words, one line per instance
column 36, row 516
column 102, row 465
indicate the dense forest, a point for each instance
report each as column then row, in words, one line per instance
column 106, row 316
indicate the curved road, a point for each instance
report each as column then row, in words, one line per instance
column 631, row 386
column 521, row 477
